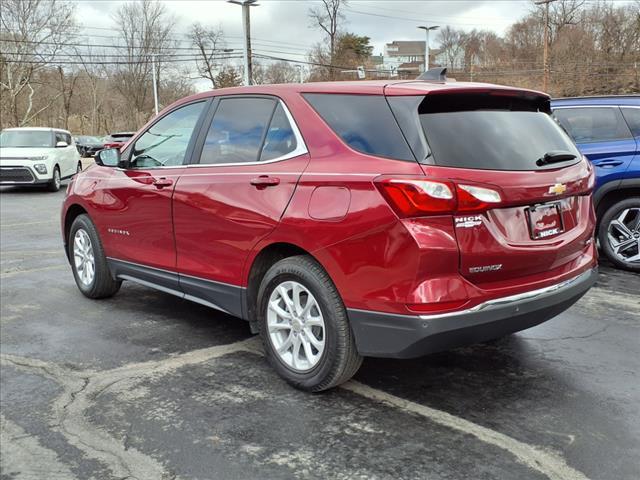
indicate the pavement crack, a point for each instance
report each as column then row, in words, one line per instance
column 571, row 337
column 82, row 387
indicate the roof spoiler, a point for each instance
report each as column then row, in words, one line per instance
column 438, row 74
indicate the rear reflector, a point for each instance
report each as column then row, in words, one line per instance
column 412, row 197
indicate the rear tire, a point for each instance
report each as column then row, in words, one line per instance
column 54, row 183
column 326, row 350
column 619, row 234
column 88, row 261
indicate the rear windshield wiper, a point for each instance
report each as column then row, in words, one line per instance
column 555, row 157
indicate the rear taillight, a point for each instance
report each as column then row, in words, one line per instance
column 416, row 197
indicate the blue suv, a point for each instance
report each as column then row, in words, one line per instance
column 607, row 132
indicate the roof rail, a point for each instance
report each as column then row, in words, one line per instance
column 438, row 74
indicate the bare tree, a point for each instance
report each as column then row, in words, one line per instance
column 145, row 30
column 210, row 44
column 95, row 78
column 451, row 45
column 34, row 33
column 278, row 72
column 67, row 88
column 328, row 17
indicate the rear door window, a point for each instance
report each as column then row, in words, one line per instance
column 280, row 139
column 632, row 116
column 364, row 122
column 593, row 124
column 238, row 130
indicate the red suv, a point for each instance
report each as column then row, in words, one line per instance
column 345, row 219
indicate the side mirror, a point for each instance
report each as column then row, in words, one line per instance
column 109, row 157
column 61, row 144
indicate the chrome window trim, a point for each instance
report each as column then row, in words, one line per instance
column 301, row 146
column 562, row 107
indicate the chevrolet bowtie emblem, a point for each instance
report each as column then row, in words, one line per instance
column 558, row 189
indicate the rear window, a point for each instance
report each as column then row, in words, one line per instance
column 481, row 132
column 364, row 122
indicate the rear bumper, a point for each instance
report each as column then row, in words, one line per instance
column 381, row 334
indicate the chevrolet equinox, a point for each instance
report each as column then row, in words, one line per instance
column 342, row 220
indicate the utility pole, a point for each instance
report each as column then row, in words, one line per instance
column 246, row 27
column 545, row 52
column 426, row 45
column 155, row 82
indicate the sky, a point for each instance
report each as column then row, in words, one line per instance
column 282, row 27
column 285, row 24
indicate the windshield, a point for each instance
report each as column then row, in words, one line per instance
column 26, row 138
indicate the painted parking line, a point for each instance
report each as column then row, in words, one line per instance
column 549, row 464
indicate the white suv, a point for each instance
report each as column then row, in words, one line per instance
column 37, row 156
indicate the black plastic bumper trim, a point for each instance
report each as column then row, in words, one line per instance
column 380, row 334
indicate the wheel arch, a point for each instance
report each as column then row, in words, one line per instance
column 72, row 213
column 614, row 196
column 262, row 262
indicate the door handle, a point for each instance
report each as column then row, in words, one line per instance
column 162, row 182
column 608, row 163
column 264, row 181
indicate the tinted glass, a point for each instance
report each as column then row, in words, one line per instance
column 494, row 139
column 364, row 122
column 280, row 138
column 593, row 124
column 237, row 130
column 632, row 116
column 165, row 143
column 25, row 138
column 62, row 137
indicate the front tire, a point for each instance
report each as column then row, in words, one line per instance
column 88, row 261
column 79, row 168
column 619, row 234
column 56, row 180
column 304, row 326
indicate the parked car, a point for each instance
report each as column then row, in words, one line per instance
column 117, row 140
column 37, row 157
column 345, row 219
column 607, row 132
column 88, row 146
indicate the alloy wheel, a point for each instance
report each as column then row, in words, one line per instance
column 296, row 326
column 56, row 178
column 83, row 257
column 623, row 233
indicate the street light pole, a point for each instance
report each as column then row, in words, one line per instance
column 426, row 45
column 246, row 27
column 155, row 82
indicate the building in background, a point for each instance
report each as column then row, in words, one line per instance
column 406, row 56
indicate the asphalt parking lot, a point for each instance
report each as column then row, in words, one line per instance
column 149, row 386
